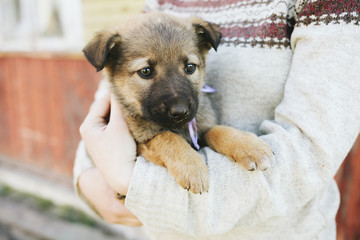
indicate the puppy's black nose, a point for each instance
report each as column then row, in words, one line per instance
column 178, row 111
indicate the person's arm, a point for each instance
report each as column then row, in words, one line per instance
column 109, row 143
column 102, row 198
column 315, row 126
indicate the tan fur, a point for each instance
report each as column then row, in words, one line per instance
column 166, row 44
column 242, row 147
column 170, row 150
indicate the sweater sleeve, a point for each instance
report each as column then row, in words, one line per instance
column 314, row 127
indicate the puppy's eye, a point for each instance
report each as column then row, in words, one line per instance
column 146, row 73
column 190, row 68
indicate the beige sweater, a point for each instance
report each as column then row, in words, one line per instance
column 300, row 94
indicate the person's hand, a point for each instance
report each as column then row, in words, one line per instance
column 102, row 197
column 109, row 143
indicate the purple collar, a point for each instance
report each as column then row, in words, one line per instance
column 192, row 123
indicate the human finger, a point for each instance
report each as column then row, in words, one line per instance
column 123, row 216
column 102, row 197
column 119, row 214
column 131, row 222
column 99, row 111
column 116, row 116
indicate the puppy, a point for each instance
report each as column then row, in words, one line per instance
column 155, row 64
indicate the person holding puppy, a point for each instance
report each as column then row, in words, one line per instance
column 285, row 70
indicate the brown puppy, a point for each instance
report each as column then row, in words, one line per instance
column 155, row 64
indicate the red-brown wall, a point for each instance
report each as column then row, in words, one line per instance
column 43, row 100
column 348, row 179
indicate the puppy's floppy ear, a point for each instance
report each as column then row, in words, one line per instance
column 97, row 50
column 208, row 33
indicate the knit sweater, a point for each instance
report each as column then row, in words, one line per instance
column 287, row 71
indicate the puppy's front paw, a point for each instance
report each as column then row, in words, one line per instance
column 191, row 173
column 182, row 161
column 242, row 147
column 253, row 153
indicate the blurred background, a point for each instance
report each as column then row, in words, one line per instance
column 46, row 88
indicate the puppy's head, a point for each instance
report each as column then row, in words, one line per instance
column 156, row 64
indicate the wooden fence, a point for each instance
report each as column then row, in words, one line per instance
column 43, row 100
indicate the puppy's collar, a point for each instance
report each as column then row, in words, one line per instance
column 192, row 123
